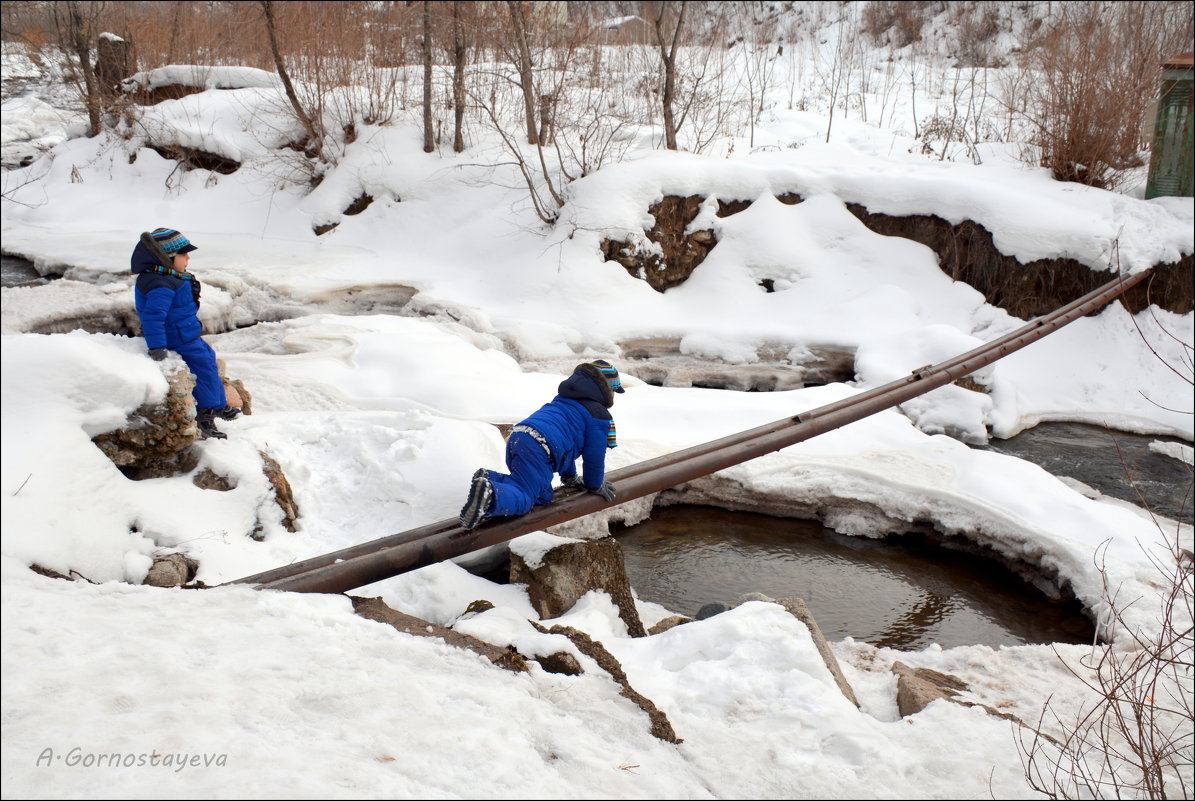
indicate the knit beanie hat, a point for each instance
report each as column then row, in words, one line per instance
column 172, row 241
column 610, row 373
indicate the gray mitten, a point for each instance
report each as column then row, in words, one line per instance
column 157, row 354
column 572, row 482
column 606, row 491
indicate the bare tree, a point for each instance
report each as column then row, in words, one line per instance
column 429, row 143
column 77, row 26
column 518, row 24
column 541, row 190
column 836, row 76
column 459, row 59
column 668, row 20
column 314, row 132
column 759, row 68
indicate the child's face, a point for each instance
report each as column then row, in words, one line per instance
column 181, row 260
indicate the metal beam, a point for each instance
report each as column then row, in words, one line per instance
column 380, row 559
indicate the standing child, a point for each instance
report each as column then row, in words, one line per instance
column 167, row 298
column 577, row 422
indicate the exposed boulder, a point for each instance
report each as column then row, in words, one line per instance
column 670, row 622
column 669, row 255
column 153, row 443
column 709, row 610
column 157, row 442
column 561, row 662
column 211, row 480
column 565, row 572
column 171, row 570
column 235, row 393
column 283, row 495
column 917, row 688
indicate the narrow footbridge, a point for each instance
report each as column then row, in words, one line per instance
column 389, row 556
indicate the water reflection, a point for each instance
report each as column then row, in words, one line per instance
column 910, row 627
column 904, row 593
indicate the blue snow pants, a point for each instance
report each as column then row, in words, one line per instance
column 201, row 359
column 530, row 479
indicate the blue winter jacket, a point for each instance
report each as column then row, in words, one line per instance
column 577, row 422
column 167, row 308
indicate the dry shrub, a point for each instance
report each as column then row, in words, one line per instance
column 215, row 34
column 1136, row 739
column 978, row 25
column 1135, row 736
column 25, row 21
column 895, row 23
column 1091, row 81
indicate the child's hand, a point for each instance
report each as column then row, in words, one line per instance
column 572, row 482
column 606, row 491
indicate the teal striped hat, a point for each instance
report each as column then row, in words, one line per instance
column 610, row 373
column 172, row 241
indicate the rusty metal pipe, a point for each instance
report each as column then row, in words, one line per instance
column 380, row 559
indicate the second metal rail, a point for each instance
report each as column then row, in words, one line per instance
column 389, row 556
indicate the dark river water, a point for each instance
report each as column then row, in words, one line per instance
column 15, row 271
column 1117, row 464
column 901, row 592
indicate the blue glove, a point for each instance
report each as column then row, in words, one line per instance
column 157, row 354
column 606, row 491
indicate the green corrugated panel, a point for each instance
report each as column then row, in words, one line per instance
column 1172, row 160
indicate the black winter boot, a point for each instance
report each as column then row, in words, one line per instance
column 227, row 413
column 481, row 498
column 205, row 420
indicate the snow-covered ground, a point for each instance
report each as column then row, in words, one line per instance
column 113, row 689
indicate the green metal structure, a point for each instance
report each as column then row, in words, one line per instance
column 1172, row 158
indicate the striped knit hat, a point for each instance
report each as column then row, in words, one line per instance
column 172, row 241
column 610, row 372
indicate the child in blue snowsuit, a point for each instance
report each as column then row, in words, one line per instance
column 167, row 299
column 577, row 422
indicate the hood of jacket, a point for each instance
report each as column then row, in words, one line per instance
column 142, row 260
column 588, row 386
